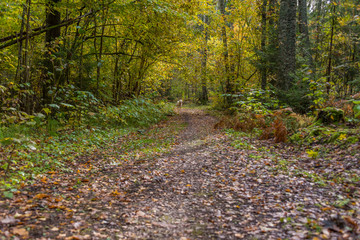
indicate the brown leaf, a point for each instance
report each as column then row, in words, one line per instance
column 21, row 231
column 8, row 220
column 41, row 196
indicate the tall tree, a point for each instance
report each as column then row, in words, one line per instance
column 204, row 52
column 228, row 84
column 263, row 44
column 305, row 45
column 287, row 44
column 333, row 5
column 52, row 22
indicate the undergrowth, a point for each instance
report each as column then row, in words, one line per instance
column 44, row 142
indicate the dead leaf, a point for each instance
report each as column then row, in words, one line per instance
column 77, row 225
column 239, row 235
column 41, row 196
column 21, row 231
column 140, row 214
column 9, row 220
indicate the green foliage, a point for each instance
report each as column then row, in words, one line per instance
column 317, row 134
column 330, row 115
column 47, row 143
column 356, row 108
column 312, row 154
column 136, row 112
column 297, row 97
column 255, row 101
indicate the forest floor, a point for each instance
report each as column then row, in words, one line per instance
column 202, row 187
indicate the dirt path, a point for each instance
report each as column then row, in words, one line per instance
column 202, row 189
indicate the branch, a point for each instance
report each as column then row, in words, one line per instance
column 247, row 79
column 38, row 31
column 107, row 36
column 111, row 54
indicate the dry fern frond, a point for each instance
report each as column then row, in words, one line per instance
column 280, row 130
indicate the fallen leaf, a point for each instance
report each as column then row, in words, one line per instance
column 140, row 214
column 41, row 196
column 21, row 231
column 77, row 225
column 9, row 220
column 239, row 235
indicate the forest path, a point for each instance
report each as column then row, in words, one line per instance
column 202, row 188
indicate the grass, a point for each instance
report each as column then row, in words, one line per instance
column 28, row 150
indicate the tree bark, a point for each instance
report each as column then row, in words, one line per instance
column 53, row 21
column 204, row 93
column 317, row 29
column 287, row 47
column 99, row 56
column 26, row 74
column 305, row 44
column 329, row 67
column 20, row 47
column 263, row 45
column 228, row 85
column 53, row 18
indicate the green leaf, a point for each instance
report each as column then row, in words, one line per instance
column 54, row 106
column 31, row 147
column 40, row 115
column 356, row 109
column 47, row 110
column 8, row 195
column 31, row 123
column 67, row 105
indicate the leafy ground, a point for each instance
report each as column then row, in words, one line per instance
column 182, row 180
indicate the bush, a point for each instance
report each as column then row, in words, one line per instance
column 136, row 112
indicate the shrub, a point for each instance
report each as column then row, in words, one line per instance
column 136, row 112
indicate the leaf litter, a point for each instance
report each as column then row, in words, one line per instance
column 199, row 185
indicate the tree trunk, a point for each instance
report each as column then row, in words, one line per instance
column 228, row 85
column 305, row 44
column 26, row 73
column 100, row 61
column 287, row 47
column 329, row 67
column 53, row 19
column 204, row 93
column 263, row 45
column 317, row 30
column 20, row 48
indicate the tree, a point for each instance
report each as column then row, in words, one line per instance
column 204, row 52
column 225, row 53
column 287, row 44
column 52, row 22
column 305, row 44
column 263, row 44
